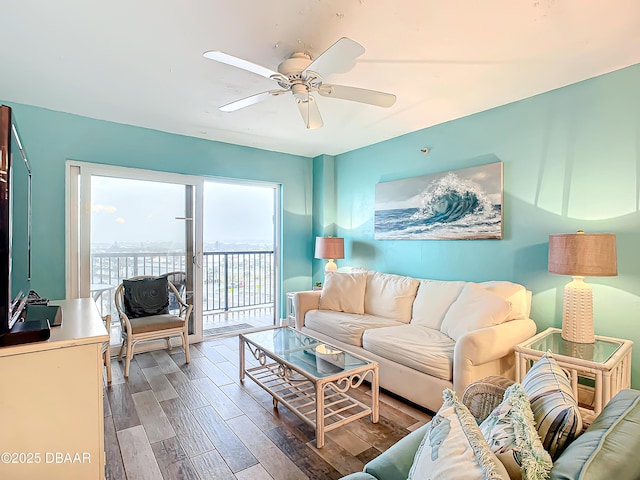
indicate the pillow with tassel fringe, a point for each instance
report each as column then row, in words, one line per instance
column 453, row 447
column 510, row 431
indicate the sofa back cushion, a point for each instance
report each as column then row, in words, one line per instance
column 513, row 293
column 343, row 292
column 608, row 449
column 475, row 308
column 432, row 301
column 390, row 296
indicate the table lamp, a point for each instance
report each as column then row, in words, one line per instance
column 330, row 248
column 580, row 255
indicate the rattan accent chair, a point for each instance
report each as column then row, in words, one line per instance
column 482, row 396
column 106, row 348
column 153, row 327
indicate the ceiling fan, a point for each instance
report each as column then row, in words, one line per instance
column 299, row 74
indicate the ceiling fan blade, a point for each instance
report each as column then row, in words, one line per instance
column 239, row 63
column 310, row 112
column 338, row 58
column 252, row 100
column 355, row 94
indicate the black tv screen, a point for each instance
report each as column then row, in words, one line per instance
column 20, row 187
column 15, row 221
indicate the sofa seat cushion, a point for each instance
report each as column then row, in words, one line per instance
column 390, row 296
column 424, row 349
column 344, row 327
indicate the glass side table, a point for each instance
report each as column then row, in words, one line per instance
column 607, row 363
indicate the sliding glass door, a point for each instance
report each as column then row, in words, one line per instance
column 133, row 223
column 239, row 258
column 217, row 240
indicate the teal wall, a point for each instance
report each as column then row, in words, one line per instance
column 571, row 161
column 50, row 138
column 324, row 207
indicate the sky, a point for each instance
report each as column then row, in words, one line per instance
column 124, row 210
column 408, row 192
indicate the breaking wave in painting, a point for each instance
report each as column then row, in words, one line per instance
column 450, row 208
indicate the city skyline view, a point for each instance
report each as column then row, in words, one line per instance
column 136, row 212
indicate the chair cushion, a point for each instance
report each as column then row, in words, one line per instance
column 454, row 448
column 146, row 296
column 343, row 292
column 510, row 431
column 553, row 403
column 390, row 296
column 344, row 327
column 152, row 323
column 415, row 346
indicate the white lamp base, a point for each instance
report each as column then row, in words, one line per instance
column 331, row 266
column 577, row 312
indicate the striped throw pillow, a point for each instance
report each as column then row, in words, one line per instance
column 554, row 405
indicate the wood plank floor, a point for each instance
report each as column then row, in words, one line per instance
column 172, row 420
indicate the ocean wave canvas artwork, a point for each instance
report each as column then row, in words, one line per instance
column 464, row 204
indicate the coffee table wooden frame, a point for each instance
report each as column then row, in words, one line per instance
column 321, row 402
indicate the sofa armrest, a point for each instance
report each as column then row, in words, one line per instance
column 359, row 476
column 488, row 351
column 303, row 302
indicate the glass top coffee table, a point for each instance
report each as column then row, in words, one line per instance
column 310, row 377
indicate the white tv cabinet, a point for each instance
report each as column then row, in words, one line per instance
column 51, row 405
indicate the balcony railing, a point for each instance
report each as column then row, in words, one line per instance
column 232, row 280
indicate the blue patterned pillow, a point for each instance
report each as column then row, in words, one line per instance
column 554, row 406
column 510, row 431
column 454, row 449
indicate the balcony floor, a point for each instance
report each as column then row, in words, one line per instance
column 220, row 325
column 230, row 323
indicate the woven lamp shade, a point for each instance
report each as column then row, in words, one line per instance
column 579, row 255
column 583, row 254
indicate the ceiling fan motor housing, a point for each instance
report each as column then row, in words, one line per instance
column 295, row 64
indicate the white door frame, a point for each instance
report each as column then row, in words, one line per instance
column 78, row 213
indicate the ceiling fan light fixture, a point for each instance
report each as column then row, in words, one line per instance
column 300, row 91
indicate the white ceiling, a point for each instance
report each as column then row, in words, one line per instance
column 140, row 62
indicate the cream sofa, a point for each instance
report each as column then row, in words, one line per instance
column 426, row 335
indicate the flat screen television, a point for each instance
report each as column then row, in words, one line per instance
column 15, row 223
